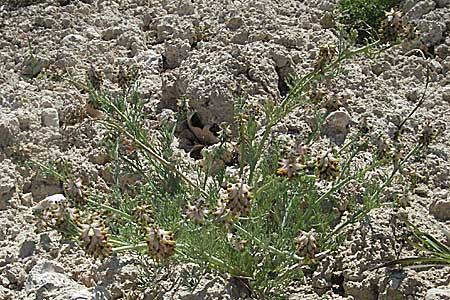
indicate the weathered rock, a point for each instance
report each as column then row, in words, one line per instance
column 50, row 117
column 27, row 249
column 49, row 202
column 9, row 128
column 48, row 280
column 7, row 182
column 32, row 65
column 441, row 209
column 421, row 8
column 336, row 126
column 438, row 294
column 175, row 51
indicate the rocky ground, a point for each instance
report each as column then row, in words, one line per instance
column 204, row 50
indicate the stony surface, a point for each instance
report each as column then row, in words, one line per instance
column 208, row 52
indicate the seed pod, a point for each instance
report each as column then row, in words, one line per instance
column 306, row 244
column 196, row 214
column 327, row 166
column 95, row 240
column 95, row 77
column 143, row 214
column 239, row 198
column 160, row 243
column 289, row 167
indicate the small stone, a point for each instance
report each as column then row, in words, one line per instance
column 73, row 39
column 185, row 7
column 175, row 52
column 438, row 294
column 27, row 249
column 50, row 117
column 27, row 199
column 9, row 128
column 442, row 3
column 48, row 202
column 440, row 209
column 111, row 33
column 336, row 126
column 32, row 65
column 442, row 51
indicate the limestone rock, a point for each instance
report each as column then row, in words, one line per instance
column 50, row 117
column 336, row 126
column 47, row 280
column 7, row 182
column 9, row 128
column 438, row 294
column 441, row 209
column 27, row 249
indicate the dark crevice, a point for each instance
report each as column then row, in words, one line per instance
column 282, row 85
column 338, row 284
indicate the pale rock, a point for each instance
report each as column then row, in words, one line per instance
column 421, row 8
column 73, row 39
column 48, row 202
column 442, row 3
column 48, row 280
column 9, row 128
column 175, row 52
column 336, row 126
column 27, row 249
column 50, row 117
column 438, row 294
column 441, row 209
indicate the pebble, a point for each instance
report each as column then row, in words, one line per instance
column 336, row 126
column 50, row 117
column 438, row 294
column 440, row 209
column 27, row 249
column 9, row 128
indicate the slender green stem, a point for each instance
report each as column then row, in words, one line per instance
column 283, row 109
column 112, row 209
column 157, row 157
column 138, row 247
column 342, row 183
column 265, row 246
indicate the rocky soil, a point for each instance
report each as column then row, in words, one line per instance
column 205, row 51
